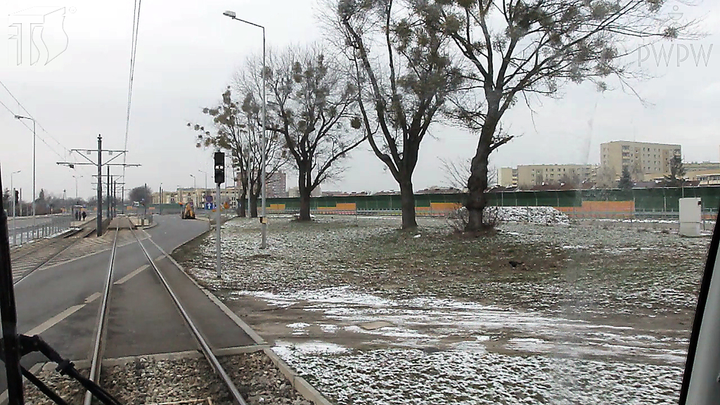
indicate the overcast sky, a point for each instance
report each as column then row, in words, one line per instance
column 187, row 53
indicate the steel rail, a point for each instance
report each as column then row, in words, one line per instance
column 96, row 359
column 207, row 352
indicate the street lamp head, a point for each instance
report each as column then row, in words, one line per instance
column 21, row 117
column 230, row 14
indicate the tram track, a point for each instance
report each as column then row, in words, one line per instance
column 101, row 334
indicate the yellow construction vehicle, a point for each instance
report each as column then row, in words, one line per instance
column 188, row 212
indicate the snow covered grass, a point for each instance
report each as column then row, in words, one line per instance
column 587, row 315
column 413, row 376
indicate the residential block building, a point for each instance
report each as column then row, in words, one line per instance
column 277, row 185
column 528, row 176
column 641, row 158
column 507, row 177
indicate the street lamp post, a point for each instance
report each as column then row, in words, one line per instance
column 194, row 191
column 206, row 189
column 76, row 186
column 20, row 117
column 263, row 219
column 12, row 192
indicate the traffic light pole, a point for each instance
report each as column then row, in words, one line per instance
column 219, row 179
column 219, row 221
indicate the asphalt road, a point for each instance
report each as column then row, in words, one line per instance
column 60, row 303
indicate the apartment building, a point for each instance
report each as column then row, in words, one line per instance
column 641, row 158
column 277, row 185
column 528, row 176
column 507, row 177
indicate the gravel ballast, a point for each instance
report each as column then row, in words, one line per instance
column 146, row 380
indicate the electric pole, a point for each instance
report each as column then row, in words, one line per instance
column 86, row 153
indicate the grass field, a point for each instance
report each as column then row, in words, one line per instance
column 371, row 314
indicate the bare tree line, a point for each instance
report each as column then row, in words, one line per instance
column 392, row 70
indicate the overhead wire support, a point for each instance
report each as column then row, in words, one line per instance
column 99, row 164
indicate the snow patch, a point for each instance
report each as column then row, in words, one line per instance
column 533, row 215
column 286, row 349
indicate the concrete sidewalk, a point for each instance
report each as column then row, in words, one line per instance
column 80, row 224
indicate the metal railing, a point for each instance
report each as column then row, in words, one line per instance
column 46, row 227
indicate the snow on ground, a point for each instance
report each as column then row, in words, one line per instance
column 413, row 376
column 440, row 323
column 533, row 215
column 594, row 314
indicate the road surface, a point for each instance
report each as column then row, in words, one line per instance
column 61, row 302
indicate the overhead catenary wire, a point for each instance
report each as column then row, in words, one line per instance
column 133, row 58
column 39, row 125
column 29, row 128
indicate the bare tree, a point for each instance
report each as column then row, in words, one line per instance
column 312, row 107
column 457, row 172
column 248, row 82
column 402, row 83
column 142, row 194
column 606, row 177
column 518, row 48
column 230, row 135
column 570, row 180
column 238, row 132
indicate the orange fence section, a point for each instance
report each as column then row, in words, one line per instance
column 601, row 209
column 276, row 207
column 444, row 207
column 340, row 208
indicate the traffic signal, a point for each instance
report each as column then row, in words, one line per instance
column 219, row 167
column 17, row 197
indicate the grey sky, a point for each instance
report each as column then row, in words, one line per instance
column 188, row 51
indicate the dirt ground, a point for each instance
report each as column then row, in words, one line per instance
column 341, row 288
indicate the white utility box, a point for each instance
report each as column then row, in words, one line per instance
column 690, row 216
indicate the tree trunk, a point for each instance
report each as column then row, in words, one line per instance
column 407, row 202
column 478, row 181
column 242, row 209
column 253, row 205
column 305, row 192
column 305, row 205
